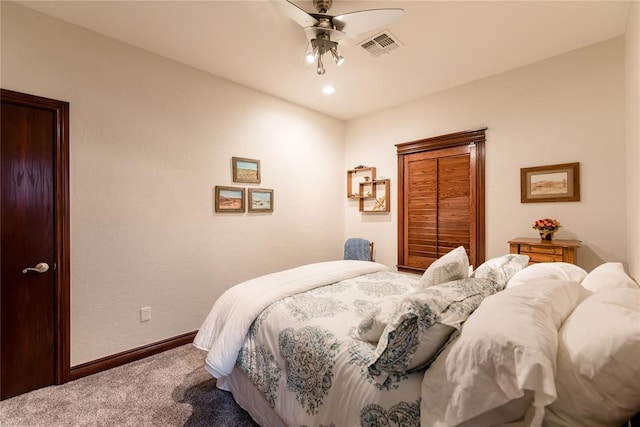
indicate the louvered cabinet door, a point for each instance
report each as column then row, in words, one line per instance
column 421, row 210
column 441, row 199
column 455, row 216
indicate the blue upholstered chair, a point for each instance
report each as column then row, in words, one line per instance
column 358, row 249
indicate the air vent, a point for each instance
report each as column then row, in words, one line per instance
column 384, row 42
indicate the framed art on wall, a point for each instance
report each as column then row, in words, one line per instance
column 229, row 199
column 260, row 200
column 552, row 183
column 246, row 170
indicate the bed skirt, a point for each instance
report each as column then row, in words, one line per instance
column 249, row 398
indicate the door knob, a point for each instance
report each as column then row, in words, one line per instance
column 40, row 268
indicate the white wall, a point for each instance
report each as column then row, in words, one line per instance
column 633, row 138
column 149, row 140
column 568, row 108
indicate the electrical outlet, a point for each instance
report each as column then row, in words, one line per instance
column 145, row 314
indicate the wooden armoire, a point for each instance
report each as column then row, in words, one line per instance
column 441, row 198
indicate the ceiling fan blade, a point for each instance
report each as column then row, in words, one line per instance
column 355, row 23
column 298, row 15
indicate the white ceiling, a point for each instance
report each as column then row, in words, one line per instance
column 444, row 43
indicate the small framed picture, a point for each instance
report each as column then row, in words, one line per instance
column 246, row 170
column 553, row 183
column 260, row 200
column 229, row 199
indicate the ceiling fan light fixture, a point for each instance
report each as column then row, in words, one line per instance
column 311, row 55
column 339, row 59
column 320, row 70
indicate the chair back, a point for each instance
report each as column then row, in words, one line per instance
column 358, row 249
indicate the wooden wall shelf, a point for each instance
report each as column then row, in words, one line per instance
column 375, row 195
column 355, row 177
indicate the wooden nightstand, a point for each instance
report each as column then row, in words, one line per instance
column 545, row 251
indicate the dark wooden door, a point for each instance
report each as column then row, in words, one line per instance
column 441, row 199
column 32, row 300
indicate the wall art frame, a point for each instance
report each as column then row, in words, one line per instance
column 551, row 183
column 260, row 200
column 229, row 199
column 246, row 170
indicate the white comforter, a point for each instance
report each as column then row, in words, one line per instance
column 502, row 329
column 225, row 328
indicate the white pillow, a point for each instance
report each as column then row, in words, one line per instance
column 454, row 265
column 599, row 361
column 502, row 268
column 606, row 276
column 423, row 322
column 546, row 271
column 506, row 347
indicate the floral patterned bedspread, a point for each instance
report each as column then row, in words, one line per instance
column 300, row 354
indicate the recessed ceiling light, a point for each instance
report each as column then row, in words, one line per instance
column 328, row 90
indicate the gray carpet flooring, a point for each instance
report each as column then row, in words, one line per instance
column 167, row 389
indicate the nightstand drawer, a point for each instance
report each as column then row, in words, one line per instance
column 534, row 257
column 527, row 249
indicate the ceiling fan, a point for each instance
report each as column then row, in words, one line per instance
column 323, row 31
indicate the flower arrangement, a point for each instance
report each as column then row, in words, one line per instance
column 547, row 227
column 547, row 224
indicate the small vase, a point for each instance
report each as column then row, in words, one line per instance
column 547, row 235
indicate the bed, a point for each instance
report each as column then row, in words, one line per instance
column 347, row 343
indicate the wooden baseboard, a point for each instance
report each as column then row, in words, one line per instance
column 128, row 356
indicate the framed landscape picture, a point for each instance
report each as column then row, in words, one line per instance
column 229, row 199
column 553, row 183
column 246, row 170
column 260, row 200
